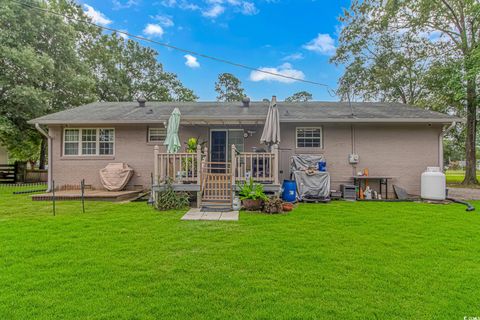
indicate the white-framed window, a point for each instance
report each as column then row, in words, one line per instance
column 157, row 134
column 88, row 142
column 309, row 137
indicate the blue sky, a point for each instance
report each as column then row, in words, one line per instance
column 293, row 37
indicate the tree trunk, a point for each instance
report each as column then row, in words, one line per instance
column 470, row 141
column 43, row 154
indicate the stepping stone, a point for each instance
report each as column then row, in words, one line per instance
column 211, row 216
column 229, row 216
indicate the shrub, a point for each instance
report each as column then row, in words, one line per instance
column 273, row 205
column 170, row 199
column 251, row 190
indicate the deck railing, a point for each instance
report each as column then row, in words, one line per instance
column 177, row 167
column 261, row 166
column 183, row 168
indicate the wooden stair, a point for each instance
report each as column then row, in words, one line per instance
column 217, row 186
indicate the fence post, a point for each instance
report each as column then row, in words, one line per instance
column 156, row 151
column 82, row 185
column 234, row 163
column 199, row 164
column 199, row 174
column 205, row 150
column 53, row 196
column 275, row 164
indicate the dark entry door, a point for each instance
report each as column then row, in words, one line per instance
column 218, row 146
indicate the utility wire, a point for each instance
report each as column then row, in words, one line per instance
column 239, row 65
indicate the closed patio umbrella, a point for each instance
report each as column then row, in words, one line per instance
column 172, row 141
column 271, row 130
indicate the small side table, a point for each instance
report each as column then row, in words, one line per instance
column 362, row 180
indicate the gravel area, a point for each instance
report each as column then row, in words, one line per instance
column 464, row 193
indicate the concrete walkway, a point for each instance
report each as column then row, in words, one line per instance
column 196, row 214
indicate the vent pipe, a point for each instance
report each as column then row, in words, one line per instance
column 141, row 100
column 246, row 102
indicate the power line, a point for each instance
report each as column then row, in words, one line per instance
column 163, row 44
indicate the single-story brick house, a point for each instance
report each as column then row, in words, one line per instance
column 390, row 139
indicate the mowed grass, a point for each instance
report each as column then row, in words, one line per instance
column 324, row 261
column 455, row 177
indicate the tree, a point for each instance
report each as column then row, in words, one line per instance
column 124, row 69
column 393, row 49
column 42, row 70
column 229, row 88
column 301, row 96
column 50, row 63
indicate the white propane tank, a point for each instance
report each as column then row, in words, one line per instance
column 433, row 184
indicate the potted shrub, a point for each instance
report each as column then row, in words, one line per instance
column 287, row 206
column 252, row 195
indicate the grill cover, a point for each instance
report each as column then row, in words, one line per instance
column 115, row 176
column 311, row 183
column 306, row 161
column 313, row 186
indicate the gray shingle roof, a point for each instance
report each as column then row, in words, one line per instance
column 154, row 112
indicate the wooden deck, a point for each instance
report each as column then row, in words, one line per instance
column 91, row 195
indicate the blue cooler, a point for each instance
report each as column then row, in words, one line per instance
column 322, row 165
column 289, row 191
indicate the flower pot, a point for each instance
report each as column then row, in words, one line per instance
column 252, row 205
column 287, row 206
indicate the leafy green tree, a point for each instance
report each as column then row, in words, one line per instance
column 124, row 69
column 301, row 96
column 402, row 50
column 229, row 88
column 49, row 63
column 42, row 70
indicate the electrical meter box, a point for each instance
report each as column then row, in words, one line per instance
column 353, row 158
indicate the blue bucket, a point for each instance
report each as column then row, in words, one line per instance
column 289, row 191
column 322, row 165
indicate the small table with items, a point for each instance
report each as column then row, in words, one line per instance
column 382, row 180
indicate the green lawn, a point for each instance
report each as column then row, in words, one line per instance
column 456, row 176
column 334, row 261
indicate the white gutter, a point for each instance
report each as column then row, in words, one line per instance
column 50, row 156
column 440, row 143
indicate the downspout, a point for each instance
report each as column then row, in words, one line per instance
column 50, row 156
column 440, row 144
column 352, row 136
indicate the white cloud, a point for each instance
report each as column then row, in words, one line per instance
column 169, row 3
column 213, row 11
column 123, row 35
column 191, row 61
column 96, row 16
column 285, row 69
column 323, row 44
column 182, row 4
column 294, row 56
column 213, row 8
column 165, row 21
column 153, row 30
column 117, row 4
column 248, row 8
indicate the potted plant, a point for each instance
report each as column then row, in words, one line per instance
column 252, row 195
column 287, row 206
column 191, row 147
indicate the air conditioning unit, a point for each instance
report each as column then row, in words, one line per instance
column 349, row 192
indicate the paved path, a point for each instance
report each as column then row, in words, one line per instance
column 196, row 214
column 464, row 193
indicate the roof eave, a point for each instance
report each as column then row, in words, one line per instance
column 194, row 120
